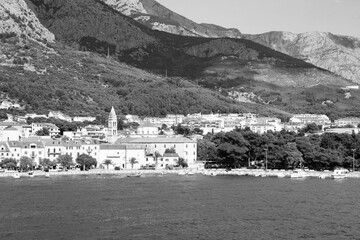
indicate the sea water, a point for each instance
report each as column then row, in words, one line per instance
column 178, row 207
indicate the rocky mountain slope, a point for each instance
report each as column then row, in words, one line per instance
column 88, row 68
column 158, row 17
column 97, row 27
column 17, row 19
column 338, row 54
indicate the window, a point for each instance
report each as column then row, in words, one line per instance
column 186, row 145
column 24, row 153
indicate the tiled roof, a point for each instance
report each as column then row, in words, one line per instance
column 170, row 155
column 118, row 147
column 149, row 140
column 147, row 124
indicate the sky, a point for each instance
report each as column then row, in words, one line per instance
column 258, row 16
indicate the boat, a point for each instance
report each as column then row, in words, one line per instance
column 190, row 173
column 298, row 173
column 47, row 174
column 134, row 174
column 31, row 174
column 340, row 173
column 16, row 175
column 181, row 173
column 281, row 175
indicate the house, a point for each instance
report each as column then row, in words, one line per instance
column 83, row 119
column 304, row 119
column 121, row 155
column 263, row 128
column 169, row 159
column 347, row 121
column 53, row 129
column 11, row 133
column 147, row 128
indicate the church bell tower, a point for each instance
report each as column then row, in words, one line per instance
column 112, row 123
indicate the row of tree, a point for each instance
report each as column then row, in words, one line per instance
column 281, row 150
column 66, row 161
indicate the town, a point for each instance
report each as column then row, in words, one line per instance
column 151, row 144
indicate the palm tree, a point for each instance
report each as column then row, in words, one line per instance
column 107, row 162
column 156, row 156
column 133, row 161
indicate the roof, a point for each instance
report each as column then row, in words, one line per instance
column 170, row 155
column 146, row 124
column 118, row 147
column 150, row 140
column 7, row 123
column 5, row 145
column 112, row 113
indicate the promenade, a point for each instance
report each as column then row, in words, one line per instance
column 208, row 172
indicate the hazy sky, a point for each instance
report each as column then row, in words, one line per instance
column 258, row 16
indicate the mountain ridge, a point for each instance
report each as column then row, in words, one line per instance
column 158, row 17
column 336, row 53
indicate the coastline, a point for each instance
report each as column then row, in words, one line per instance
column 208, row 172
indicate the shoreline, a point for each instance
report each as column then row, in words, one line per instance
column 207, row 172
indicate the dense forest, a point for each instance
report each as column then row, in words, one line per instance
column 282, row 150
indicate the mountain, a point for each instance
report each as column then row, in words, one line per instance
column 18, row 20
column 157, row 17
column 97, row 27
column 101, row 57
column 40, row 73
column 338, row 54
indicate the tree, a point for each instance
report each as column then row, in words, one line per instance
column 43, row 132
column 170, row 150
column 25, row 163
column 65, row 160
column 311, row 128
column 206, row 150
column 156, row 156
column 8, row 163
column 293, row 155
column 132, row 161
column 107, row 162
column 86, row 161
column 181, row 162
column 47, row 163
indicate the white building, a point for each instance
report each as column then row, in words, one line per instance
column 53, row 129
column 147, row 128
column 347, row 121
column 186, row 148
column 304, row 119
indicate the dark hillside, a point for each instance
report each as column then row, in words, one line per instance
column 97, row 27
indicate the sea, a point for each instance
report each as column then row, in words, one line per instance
column 178, row 207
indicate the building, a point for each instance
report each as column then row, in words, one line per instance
column 83, row 119
column 53, row 129
column 347, row 121
column 304, row 119
column 146, row 129
column 263, row 128
column 186, row 148
column 112, row 126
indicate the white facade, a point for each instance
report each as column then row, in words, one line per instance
column 184, row 147
column 147, row 128
column 53, row 129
